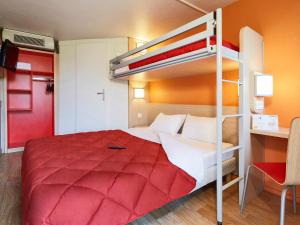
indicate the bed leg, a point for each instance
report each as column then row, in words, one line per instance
column 219, row 223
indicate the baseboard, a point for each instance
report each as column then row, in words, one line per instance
column 14, row 150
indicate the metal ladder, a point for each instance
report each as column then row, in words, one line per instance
column 240, row 116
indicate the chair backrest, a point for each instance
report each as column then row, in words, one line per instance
column 293, row 154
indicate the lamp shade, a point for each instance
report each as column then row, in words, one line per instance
column 139, row 93
column 263, row 85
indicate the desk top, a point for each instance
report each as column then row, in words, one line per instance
column 280, row 133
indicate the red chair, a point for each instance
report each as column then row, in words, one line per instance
column 285, row 174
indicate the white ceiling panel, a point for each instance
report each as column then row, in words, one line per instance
column 77, row 19
column 210, row 5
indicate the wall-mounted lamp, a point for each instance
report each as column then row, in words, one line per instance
column 139, row 93
column 140, row 43
column 263, row 85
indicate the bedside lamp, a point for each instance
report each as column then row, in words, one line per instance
column 139, row 93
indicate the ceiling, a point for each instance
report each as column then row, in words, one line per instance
column 78, row 19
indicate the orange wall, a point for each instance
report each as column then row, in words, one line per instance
column 278, row 21
column 196, row 90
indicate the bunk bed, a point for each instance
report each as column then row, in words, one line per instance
column 78, row 179
column 202, row 53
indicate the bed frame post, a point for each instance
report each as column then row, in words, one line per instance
column 242, row 125
column 219, row 116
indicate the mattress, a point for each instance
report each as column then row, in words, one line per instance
column 144, row 133
column 176, row 52
column 77, row 179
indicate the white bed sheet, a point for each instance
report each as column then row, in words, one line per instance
column 144, row 133
column 210, row 156
column 208, row 172
column 209, row 151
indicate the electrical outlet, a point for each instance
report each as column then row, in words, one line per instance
column 259, row 104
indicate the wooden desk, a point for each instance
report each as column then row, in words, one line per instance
column 280, row 133
column 258, row 155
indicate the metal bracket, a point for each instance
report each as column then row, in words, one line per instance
column 211, row 48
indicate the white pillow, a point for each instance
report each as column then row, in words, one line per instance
column 185, row 156
column 200, row 128
column 170, row 124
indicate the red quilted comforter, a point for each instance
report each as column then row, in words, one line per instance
column 77, row 180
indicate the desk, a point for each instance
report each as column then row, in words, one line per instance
column 258, row 154
column 280, row 133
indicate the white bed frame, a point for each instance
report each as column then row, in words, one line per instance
column 217, row 53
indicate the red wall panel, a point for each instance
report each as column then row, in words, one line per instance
column 30, row 106
column 24, row 126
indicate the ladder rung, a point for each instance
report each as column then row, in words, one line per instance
column 232, row 82
column 233, row 115
column 231, row 149
column 229, row 184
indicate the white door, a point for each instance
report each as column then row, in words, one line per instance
column 87, row 100
column 92, row 74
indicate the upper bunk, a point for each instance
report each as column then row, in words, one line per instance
column 192, row 55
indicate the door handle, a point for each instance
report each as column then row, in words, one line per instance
column 102, row 93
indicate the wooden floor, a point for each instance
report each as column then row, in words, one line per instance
column 195, row 209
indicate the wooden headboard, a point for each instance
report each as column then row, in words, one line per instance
column 230, row 125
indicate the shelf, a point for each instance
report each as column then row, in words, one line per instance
column 43, row 73
column 19, row 110
column 27, row 72
column 21, row 91
column 33, row 72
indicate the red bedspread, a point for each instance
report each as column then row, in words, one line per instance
column 77, row 180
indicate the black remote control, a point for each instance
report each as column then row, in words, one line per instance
column 117, row 147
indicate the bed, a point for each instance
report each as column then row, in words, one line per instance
column 76, row 179
column 177, row 52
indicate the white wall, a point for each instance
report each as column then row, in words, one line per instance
column 66, row 90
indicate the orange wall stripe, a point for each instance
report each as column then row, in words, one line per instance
column 196, row 90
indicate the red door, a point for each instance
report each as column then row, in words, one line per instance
column 30, row 105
